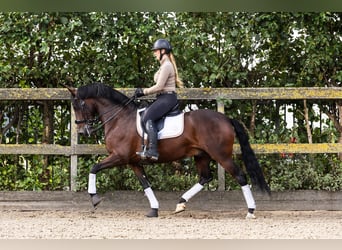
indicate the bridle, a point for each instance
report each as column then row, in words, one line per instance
column 90, row 123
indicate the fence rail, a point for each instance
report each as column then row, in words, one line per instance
column 217, row 94
column 87, row 149
column 189, row 93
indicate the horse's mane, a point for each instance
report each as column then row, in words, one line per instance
column 100, row 90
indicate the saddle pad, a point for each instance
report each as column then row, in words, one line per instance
column 173, row 127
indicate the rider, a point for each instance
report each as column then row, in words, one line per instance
column 166, row 79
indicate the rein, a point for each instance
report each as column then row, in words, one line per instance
column 92, row 121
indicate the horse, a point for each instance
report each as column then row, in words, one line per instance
column 208, row 136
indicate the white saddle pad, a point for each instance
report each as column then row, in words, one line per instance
column 173, row 126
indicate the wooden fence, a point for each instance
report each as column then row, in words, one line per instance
column 217, row 94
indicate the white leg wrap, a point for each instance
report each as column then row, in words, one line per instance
column 192, row 192
column 92, row 184
column 151, row 198
column 247, row 193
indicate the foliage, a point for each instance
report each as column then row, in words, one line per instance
column 315, row 172
column 26, row 173
column 212, row 49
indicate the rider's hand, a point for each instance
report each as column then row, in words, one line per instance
column 139, row 92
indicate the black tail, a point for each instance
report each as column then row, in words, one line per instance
column 252, row 165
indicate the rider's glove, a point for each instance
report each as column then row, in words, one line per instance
column 139, row 92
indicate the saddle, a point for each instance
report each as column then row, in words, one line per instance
column 169, row 126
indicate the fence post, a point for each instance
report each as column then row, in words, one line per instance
column 73, row 155
column 220, row 170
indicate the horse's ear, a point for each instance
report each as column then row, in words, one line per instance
column 71, row 89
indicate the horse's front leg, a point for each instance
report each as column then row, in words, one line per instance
column 110, row 161
column 141, row 175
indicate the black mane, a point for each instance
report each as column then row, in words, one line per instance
column 100, row 90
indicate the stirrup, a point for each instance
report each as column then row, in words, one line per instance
column 142, row 154
column 146, row 154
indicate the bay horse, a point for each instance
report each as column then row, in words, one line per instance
column 208, row 135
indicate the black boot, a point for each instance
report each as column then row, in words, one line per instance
column 152, row 136
column 152, row 133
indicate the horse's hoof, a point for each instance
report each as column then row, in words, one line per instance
column 250, row 216
column 153, row 213
column 95, row 200
column 180, row 208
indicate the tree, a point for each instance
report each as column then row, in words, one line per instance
column 212, row 49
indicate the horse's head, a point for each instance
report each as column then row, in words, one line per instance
column 100, row 100
column 84, row 112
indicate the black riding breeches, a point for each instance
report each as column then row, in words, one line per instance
column 162, row 105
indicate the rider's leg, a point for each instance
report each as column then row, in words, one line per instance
column 152, row 151
column 159, row 108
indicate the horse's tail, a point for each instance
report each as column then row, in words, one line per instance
column 252, row 165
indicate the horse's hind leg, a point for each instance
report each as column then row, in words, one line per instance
column 202, row 163
column 241, row 178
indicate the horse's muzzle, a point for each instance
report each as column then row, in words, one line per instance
column 85, row 130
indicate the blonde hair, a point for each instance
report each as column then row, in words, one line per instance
column 179, row 82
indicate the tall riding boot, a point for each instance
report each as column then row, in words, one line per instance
column 152, row 133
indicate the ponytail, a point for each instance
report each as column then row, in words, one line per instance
column 179, row 82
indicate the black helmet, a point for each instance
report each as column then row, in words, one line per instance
column 162, row 44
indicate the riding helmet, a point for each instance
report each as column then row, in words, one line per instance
column 162, row 44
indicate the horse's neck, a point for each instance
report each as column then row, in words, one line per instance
column 114, row 116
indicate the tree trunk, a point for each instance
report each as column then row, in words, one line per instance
column 48, row 122
column 48, row 115
column 307, row 122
